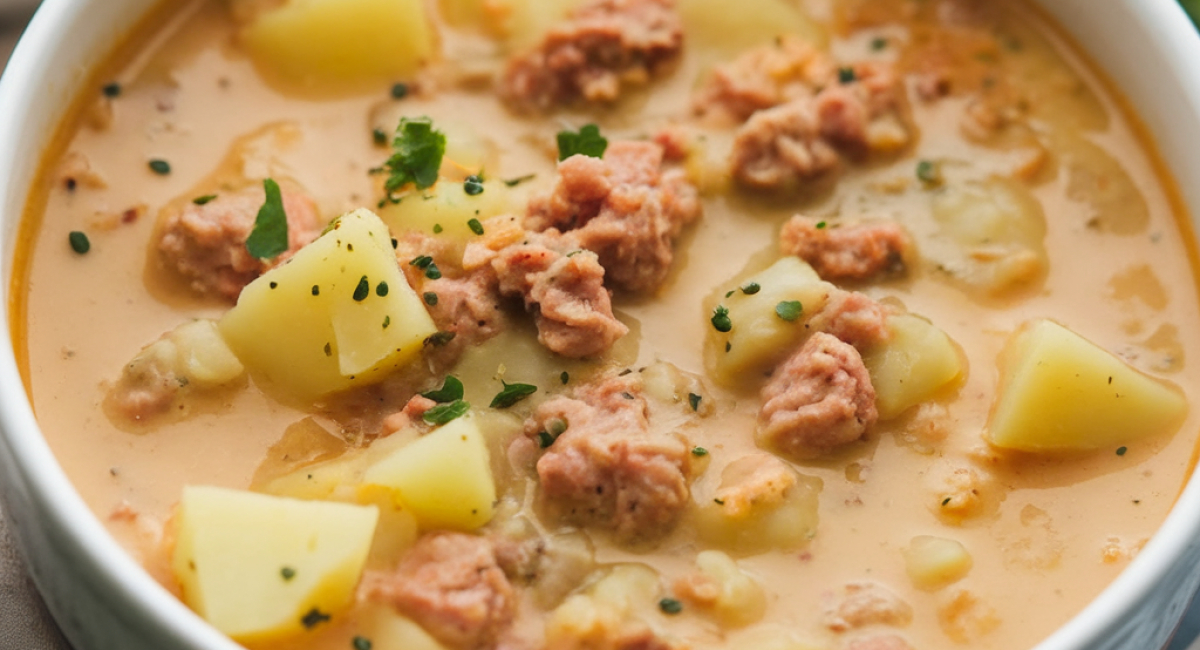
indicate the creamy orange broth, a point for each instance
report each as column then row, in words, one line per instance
column 1065, row 526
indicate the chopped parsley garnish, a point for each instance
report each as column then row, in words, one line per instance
column 945, row 502
column 437, row 228
column 473, row 185
column 545, row 439
column 821, row 225
column 418, row 155
column 720, row 319
column 443, row 413
column 79, row 242
column 789, row 310
column 387, row 321
column 421, row 261
column 587, row 141
column 287, row 572
column 269, row 237
column 399, row 91
column 1121, row 450
column 361, row 643
column 878, row 43
column 111, row 90
column 432, row 271
column 204, row 200
column 430, row 298
column 513, row 182
column 438, row 339
column 451, row 391
column 929, row 172
column 699, row 451
column 328, row 350
column 846, row 75
column 694, row 401
column 381, row 289
column 379, row 136
column 564, row 377
column 160, row 166
column 719, row 502
column 313, row 618
column 475, row 226
column 729, row 294
column 362, row 290
column 670, row 606
column 511, row 394
column 751, row 288
column 316, row 290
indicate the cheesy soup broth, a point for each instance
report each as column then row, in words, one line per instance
column 991, row 108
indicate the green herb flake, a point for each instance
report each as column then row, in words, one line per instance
column 694, row 401
column 1121, row 450
column 438, row 339
column 313, row 618
column 929, row 172
column 821, row 225
column 443, row 413
column 511, row 394
column 79, row 242
column 513, row 182
column 379, row 136
column 846, row 75
column 720, row 319
column 287, row 572
column 381, row 289
column 751, row 288
column 316, row 290
column 421, row 261
column 111, row 90
column 564, row 377
column 418, row 155
column 432, row 271
column 587, row 141
column 719, row 502
column 362, row 290
column 159, row 166
column 789, row 310
column 328, row 350
column 387, row 321
column 670, row 606
column 545, row 439
column 699, row 452
column 473, row 185
column 437, row 228
column 204, row 200
column 361, row 643
column 879, row 43
column 399, row 91
column 451, row 391
column 430, row 298
column 945, row 502
column 475, row 226
column 729, row 294
column 269, row 237
column 556, row 426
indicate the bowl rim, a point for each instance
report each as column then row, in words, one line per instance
column 41, row 480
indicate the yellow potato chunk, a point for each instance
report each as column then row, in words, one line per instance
column 917, row 362
column 934, row 562
column 328, row 45
column 1060, row 392
column 338, row 314
column 448, row 209
column 712, row 27
column 259, row 567
column 387, row 629
column 760, row 505
column 759, row 338
column 444, row 477
column 738, row 598
column 204, row 357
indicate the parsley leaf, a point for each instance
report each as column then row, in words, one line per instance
column 269, row 237
column 789, row 310
column 451, row 391
column 419, row 149
column 587, row 141
column 511, row 394
column 443, row 413
column 720, row 319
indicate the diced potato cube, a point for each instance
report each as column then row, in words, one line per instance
column 339, row 313
column 615, row 603
column 934, row 562
column 204, row 357
column 712, row 27
column 443, row 477
column 257, row 566
column 759, row 339
column 740, row 600
column 334, row 480
column 917, row 362
column 448, row 209
column 387, row 630
column 320, row 45
column 761, row 504
column 1059, row 391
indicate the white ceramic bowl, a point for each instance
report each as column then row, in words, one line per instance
column 101, row 597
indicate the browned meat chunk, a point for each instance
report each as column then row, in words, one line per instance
column 207, row 243
column 623, row 208
column 605, row 467
column 450, row 584
column 819, row 399
column 762, row 78
column 565, row 290
column 854, row 318
column 861, row 112
column 867, row 603
column 603, row 45
column 858, row 252
column 781, row 147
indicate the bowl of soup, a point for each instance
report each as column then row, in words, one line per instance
column 603, row 323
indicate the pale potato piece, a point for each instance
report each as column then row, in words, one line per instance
column 389, row 630
column 918, row 361
column 1060, row 392
column 444, row 477
column 759, row 338
column 711, row 26
column 780, row 513
column 742, row 600
column 340, row 44
column 204, row 358
column 934, row 562
column 444, row 210
column 304, row 342
column 255, row 565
